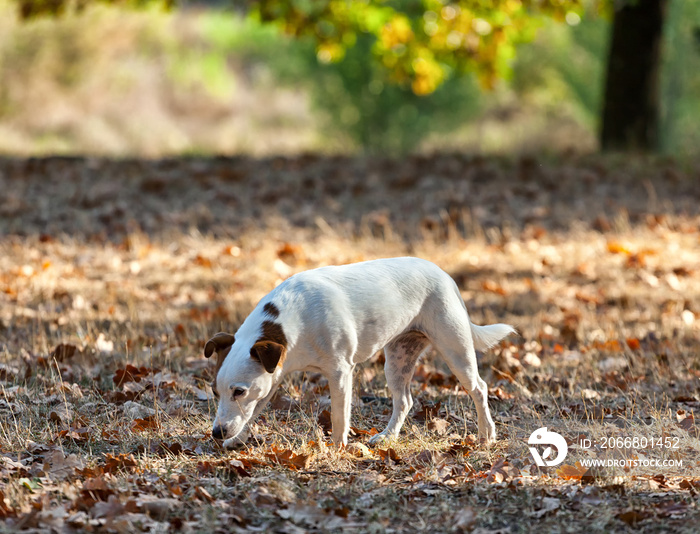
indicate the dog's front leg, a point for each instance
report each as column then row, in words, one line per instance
column 340, row 384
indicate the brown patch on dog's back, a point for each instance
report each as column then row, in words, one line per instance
column 271, row 310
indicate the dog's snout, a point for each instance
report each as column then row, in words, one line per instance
column 217, row 432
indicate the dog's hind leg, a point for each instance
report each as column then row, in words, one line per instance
column 401, row 357
column 462, row 362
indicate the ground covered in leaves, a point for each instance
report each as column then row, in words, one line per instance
column 114, row 273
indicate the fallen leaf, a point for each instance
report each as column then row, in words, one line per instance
column 290, row 459
column 312, row 516
column 325, row 422
column 388, row 454
column 359, row 450
column 120, row 462
column 686, row 420
column 632, row 517
column 61, row 414
column 439, row 426
column 617, row 248
column 571, row 472
column 157, row 507
column 493, row 287
column 63, row 352
column 147, row 423
column 62, row 467
column 427, row 412
column 548, row 504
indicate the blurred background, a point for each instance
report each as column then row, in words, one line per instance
column 212, row 78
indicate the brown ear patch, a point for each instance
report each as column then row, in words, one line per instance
column 273, row 332
column 271, row 347
column 271, row 310
column 269, row 354
column 221, row 344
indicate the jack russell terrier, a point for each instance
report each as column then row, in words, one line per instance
column 330, row 319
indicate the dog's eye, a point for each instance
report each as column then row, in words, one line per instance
column 237, row 392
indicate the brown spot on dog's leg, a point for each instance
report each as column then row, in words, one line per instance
column 271, row 310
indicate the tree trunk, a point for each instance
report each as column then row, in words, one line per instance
column 631, row 107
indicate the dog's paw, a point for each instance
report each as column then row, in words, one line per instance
column 381, row 439
column 487, row 440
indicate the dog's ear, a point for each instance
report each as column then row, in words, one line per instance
column 220, row 343
column 269, row 354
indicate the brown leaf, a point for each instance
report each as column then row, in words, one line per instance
column 632, row 517
column 291, row 254
column 289, row 459
column 62, row 467
column 686, row 420
column 284, row 402
column 119, row 462
column 324, row 421
column 427, row 412
column 617, row 248
column 77, row 434
column 312, row 516
column 388, row 454
column 131, row 373
column 633, row 343
column 157, row 507
column 359, row 432
column 493, row 287
column 440, row 426
column 5, row 510
column 548, row 505
column 502, row 471
column 202, row 261
column 231, row 467
column 147, row 423
column 500, row 394
column 94, row 490
column 61, row 414
column 63, row 352
column 672, row 509
column 203, row 494
column 359, row 450
column 571, row 472
column 108, row 509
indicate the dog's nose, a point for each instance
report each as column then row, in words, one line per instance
column 218, row 432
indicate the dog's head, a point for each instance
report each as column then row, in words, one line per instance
column 245, row 376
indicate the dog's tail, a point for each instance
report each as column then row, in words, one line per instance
column 487, row 336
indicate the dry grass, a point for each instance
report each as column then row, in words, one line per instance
column 138, row 262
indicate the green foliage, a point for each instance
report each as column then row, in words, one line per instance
column 354, row 96
column 357, row 98
column 29, row 9
column 565, row 65
column 680, row 126
column 420, row 43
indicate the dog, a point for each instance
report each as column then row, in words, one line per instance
column 330, row 319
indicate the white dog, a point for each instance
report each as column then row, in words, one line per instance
column 330, row 319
